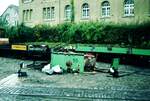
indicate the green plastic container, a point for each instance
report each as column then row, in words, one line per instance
column 115, row 63
column 61, row 58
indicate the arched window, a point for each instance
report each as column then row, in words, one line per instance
column 105, row 9
column 129, row 7
column 27, row 1
column 85, row 10
column 68, row 12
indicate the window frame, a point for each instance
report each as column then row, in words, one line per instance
column 52, row 13
column 85, row 11
column 44, row 13
column 105, row 9
column 26, row 1
column 27, row 15
column 68, row 12
column 129, row 8
column 49, row 13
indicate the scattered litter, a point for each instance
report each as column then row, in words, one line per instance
column 54, row 70
column 57, row 69
column 90, row 62
column 47, row 69
column 111, row 70
column 114, row 72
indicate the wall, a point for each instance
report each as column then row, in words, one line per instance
column 141, row 8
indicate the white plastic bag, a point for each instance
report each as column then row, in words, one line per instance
column 46, row 68
column 57, row 69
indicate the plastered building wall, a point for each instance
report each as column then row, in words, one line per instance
column 141, row 11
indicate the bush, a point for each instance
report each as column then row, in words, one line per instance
column 135, row 35
column 20, row 34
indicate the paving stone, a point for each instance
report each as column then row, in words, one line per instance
column 99, row 86
column 77, row 93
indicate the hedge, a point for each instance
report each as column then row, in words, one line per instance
column 135, row 35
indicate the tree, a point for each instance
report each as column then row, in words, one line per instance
column 3, row 22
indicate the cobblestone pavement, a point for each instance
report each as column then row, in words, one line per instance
column 75, row 93
column 132, row 85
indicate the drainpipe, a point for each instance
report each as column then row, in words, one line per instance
column 59, row 12
column 149, row 8
column 73, row 12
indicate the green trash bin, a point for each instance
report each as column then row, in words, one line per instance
column 115, row 63
column 61, row 58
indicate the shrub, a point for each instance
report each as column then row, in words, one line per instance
column 20, row 34
column 135, row 35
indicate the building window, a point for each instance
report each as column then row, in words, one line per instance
column 49, row 13
column 27, row 15
column 44, row 13
column 30, row 14
column 68, row 12
column 24, row 14
column 85, row 10
column 27, row 1
column 105, row 9
column 129, row 7
column 52, row 12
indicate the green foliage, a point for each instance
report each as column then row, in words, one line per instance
column 85, row 32
column 3, row 22
column 46, row 33
column 19, row 34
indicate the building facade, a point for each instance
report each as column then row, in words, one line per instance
column 11, row 15
column 52, row 12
